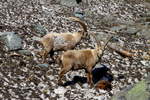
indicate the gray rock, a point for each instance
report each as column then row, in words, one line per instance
column 35, row 38
column 147, row 14
column 144, row 19
column 11, row 40
column 25, row 52
column 43, row 65
column 39, row 29
column 101, row 36
column 85, row 85
column 79, row 14
column 131, row 30
column 147, row 4
column 69, row 3
column 60, row 90
column 148, row 82
column 118, row 28
column 147, row 23
column 145, row 63
column 146, row 33
column 109, row 20
column 129, row 22
column 140, row 91
column 115, row 39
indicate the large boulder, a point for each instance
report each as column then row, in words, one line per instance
column 11, row 40
column 140, row 91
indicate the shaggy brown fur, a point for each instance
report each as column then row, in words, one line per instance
column 81, row 59
column 62, row 41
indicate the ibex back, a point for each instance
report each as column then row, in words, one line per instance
column 62, row 41
column 81, row 59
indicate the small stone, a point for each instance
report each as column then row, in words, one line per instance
column 69, row 3
column 88, row 94
column 60, row 90
column 79, row 14
column 53, row 95
column 78, row 86
column 129, row 80
column 147, row 14
column 39, row 29
column 51, row 77
column 85, row 85
column 115, row 72
column 43, row 65
column 99, row 97
column 42, row 96
column 115, row 39
column 145, row 32
column 148, row 41
column 101, row 36
column 35, row 38
column 25, row 52
column 118, row 28
column 136, row 80
column 144, row 62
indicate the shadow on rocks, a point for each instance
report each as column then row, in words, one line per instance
column 101, row 78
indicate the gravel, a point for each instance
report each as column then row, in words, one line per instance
column 22, row 78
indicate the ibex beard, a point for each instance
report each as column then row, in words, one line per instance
column 62, row 41
column 79, row 59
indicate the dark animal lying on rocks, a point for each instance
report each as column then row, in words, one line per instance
column 101, row 78
column 62, row 41
column 81, row 59
column 100, row 73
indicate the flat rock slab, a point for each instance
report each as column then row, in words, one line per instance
column 69, row 3
column 39, row 29
column 11, row 40
column 131, row 30
column 140, row 91
column 25, row 52
column 43, row 65
column 117, row 28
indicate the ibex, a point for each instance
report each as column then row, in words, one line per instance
column 62, row 41
column 80, row 59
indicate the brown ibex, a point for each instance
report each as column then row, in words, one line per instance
column 81, row 59
column 62, row 41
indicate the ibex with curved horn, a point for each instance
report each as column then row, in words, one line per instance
column 81, row 59
column 62, row 41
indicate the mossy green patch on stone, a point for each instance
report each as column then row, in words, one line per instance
column 138, row 92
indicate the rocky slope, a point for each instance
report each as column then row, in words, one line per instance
column 23, row 76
